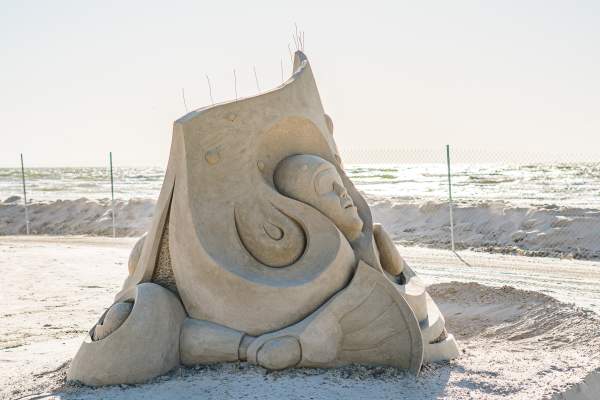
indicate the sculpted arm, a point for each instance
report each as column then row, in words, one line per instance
column 390, row 258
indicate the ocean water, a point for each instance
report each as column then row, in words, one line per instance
column 561, row 184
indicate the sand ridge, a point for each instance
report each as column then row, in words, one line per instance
column 492, row 226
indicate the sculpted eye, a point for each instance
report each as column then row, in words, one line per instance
column 324, row 182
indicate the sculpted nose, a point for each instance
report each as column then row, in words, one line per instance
column 345, row 199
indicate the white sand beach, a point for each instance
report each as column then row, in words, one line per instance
column 516, row 344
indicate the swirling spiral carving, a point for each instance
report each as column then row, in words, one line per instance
column 270, row 236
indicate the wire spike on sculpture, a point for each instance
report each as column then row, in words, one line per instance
column 210, row 90
column 298, row 38
column 256, row 79
column 235, row 84
column 183, row 97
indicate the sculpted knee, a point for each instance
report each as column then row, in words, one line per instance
column 136, row 340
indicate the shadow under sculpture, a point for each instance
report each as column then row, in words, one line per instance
column 262, row 250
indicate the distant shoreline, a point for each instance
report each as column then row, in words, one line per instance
column 524, row 185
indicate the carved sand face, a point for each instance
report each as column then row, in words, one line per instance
column 316, row 182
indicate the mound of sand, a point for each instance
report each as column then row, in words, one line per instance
column 489, row 226
column 544, row 230
column 77, row 217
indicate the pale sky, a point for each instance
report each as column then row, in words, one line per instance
column 81, row 78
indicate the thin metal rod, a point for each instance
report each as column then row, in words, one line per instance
column 112, row 195
column 24, row 195
column 184, row 102
column 210, row 90
column 235, row 84
column 256, row 78
column 450, row 198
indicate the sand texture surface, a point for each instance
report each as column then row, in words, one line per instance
column 516, row 344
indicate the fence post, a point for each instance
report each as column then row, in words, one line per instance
column 112, row 195
column 450, row 198
column 24, row 195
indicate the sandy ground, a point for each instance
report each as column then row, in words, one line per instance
column 570, row 281
column 516, row 344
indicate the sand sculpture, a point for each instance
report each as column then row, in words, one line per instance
column 262, row 250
